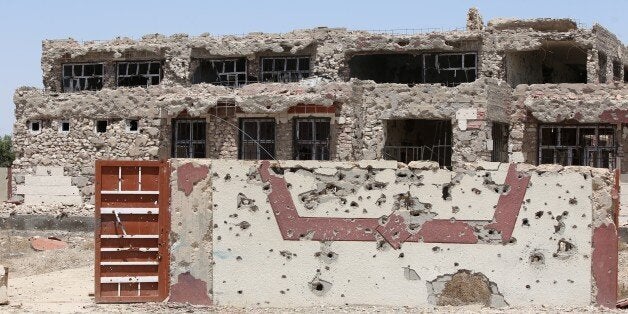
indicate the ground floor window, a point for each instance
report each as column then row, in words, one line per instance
column 417, row 139
column 311, row 138
column 189, row 138
column 500, row 134
column 578, row 145
column 257, row 139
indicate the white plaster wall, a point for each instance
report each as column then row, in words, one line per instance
column 250, row 269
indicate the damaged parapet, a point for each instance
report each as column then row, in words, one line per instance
column 492, row 234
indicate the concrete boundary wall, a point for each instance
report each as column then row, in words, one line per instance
column 303, row 233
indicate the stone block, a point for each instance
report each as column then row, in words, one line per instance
column 48, row 181
column 48, row 171
column 46, row 190
column 52, row 199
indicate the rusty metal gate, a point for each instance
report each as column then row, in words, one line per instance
column 132, row 225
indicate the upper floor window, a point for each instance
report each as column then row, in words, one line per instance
column 311, row 138
column 257, row 139
column 227, row 72
column 449, row 69
column 87, row 76
column 285, row 69
column 142, row 73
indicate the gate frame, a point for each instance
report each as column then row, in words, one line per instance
column 164, row 234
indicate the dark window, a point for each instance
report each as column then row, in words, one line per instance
column 133, row 125
column 418, row 139
column 230, row 72
column 578, row 145
column 35, row 126
column 500, row 134
column 101, row 126
column 617, row 71
column 142, row 73
column 449, row 69
column 65, row 126
column 257, row 139
column 387, row 68
column 188, row 139
column 602, row 61
column 285, row 69
column 77, row 77
column 311, row 138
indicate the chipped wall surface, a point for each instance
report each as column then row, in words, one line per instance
column 191, row 231
column 298, row 233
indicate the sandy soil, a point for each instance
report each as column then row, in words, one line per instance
column 62, row 282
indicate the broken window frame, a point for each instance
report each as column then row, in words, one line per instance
column 227, row 78
column 246, row 139
column 195, row 147
column 148, row 75
column 72, row 83
column 463, row 68
column 320, row 149
column 583, row 151
column 440, row 152
column 285, row 75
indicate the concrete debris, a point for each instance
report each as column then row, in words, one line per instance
column 46, row 244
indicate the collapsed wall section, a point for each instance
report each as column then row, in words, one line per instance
column 290, row 233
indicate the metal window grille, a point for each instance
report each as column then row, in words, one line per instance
column 142, row 73
column 439, row 149
column 225, row 72
column 189, row 138
column 285, row 69
column 78, row 77
column 450, row 69
column 311, row 138
column 257, row 139
column 578, row 145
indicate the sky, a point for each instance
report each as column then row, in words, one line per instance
column 25, row 23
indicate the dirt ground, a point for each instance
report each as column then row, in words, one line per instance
column 61, row 281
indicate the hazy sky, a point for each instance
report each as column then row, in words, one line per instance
column 25, row 23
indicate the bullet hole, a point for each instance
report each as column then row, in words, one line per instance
column 244, row 225
column 455, row 209
column 476, row 191
column 381, row 200
column 456, row 264
column 239, row 258
column 436, row 249
column 278, row 170
column 239, row 291
column 527, row 286
column 491, row 231
column 401, row 255
column 219, row 238
column 282, row 292
column 513, row 240
column 447, row 192
column 525, row 222
column 354, row 204
column 538, row 214
column 283, row 276
column 319, row 287
column 287, row 254
column 536, row 258
column 227, row 177
column 266, row 187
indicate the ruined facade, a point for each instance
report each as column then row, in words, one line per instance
column 533, row 91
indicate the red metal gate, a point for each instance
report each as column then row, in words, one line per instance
column 132, row 225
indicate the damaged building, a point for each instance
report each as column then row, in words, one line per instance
column 526, row 91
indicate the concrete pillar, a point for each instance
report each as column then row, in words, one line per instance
column 592, row 66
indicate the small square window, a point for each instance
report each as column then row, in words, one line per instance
column 133, row 125
column 64, row 126
column 34, row 126
column 101, row 126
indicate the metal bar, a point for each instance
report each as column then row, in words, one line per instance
column 122, row 249
column 131, row 192
column 129, row 236
column 130, row 211
column 145, row 263
column 129, row 279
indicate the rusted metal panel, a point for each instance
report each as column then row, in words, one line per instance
column 131, row 236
